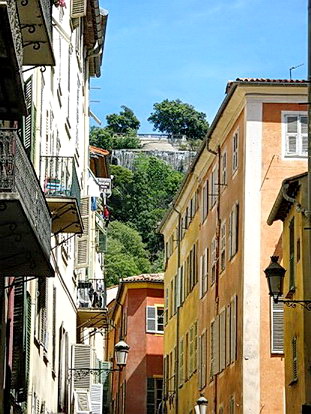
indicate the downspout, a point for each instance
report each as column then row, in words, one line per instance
column 177, row 314
column 218, row 224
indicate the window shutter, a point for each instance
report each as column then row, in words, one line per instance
column 222, row 345
column 150, row 319
column 18, row 322
column 201, row 271
column 82, row 359
column 178, row 288
column 181, row 361
column 96, row 395
column 228, row 336
column 203, row 359
column 191, row 349
column 224, row 170
column 294, row 359
column 236, row 227
column 82, row 257
column 230, row 234
column 78, row 8
column 29, row 119
column 217, row 348
column 195, row 346
column 233, row 327
column 82, row 402
column 200, row 362
column 277, row 327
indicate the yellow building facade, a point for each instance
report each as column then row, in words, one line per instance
column 290, row 207
column 219, row 337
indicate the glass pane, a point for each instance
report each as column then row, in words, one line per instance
column 291, row 144
column 151, row 325
column 151, row 312
column 292, row 124
column 304, row 124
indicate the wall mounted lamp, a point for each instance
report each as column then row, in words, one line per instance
column 275, row 274
column 201, row 405
column 121, row 351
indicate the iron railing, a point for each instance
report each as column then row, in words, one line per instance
column 16, row 31
column 58, row 177
column 91, row 294
column 18, row 178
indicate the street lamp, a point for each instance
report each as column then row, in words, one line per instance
column 275, row 276
column 201, row 406
column 121, row 350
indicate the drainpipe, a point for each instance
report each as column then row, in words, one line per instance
column 308, row 276
column 177, row 314
column 218, row 226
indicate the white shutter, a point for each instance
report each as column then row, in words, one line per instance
column 150, row 319
column 201, row 273
column 212, row 350
column 233, row 328
column 78, row 8
column 81, row 359
column 82, row 402
column 222, row 345
column 82, row 254
column 178, row 289
column 97, row 398
column 277, row 327
column 217, row 353
column 200, row 362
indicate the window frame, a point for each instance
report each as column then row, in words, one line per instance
column 156, row 330
column 235, row 151
column 298, row 153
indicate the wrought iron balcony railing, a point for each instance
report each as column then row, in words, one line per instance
column 36, row 23
column 25, row 220
column 58, row 177
column 91, row 294
column 12, row 99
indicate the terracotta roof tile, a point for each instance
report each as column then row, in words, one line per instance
column 146, row 277
column 100, row 151
column 265, row 80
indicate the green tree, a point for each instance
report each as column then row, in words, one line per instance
column 124, row 122
column 106, row 139
column 126, row 254
column 141, row 197
column 178, row 118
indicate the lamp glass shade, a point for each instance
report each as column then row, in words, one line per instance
column 275, row 276
column 201, row 406
column 121, row 350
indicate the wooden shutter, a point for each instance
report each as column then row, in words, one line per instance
column 29, row 119
column 277, row 327
column 222, row 340
column 82, row 258
column 199, row 362
column 304, row 134
column 151, row 319
column 195, row 346
column 78, row 8
column 212, row 350
column 228, row 336
column 191, row 350
column 181, row 362
column 294, row 360
column 178, row 288
column 233, row 329
column 82, row 359
column 201, row 272
column 96, row 395
column 82, row 402
column 217, row 348
column 18, row 336
column 203, row 359
column 224, row 170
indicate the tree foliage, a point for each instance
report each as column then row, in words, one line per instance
column 105, row 138
column 140, row 198
column 123, row 122
column 178, row 118
column 126, row 254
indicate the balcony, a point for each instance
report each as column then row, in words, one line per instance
column 25, row 222
column 59, row 181
column 12, row 99
column 35, row 18
column 91, row 306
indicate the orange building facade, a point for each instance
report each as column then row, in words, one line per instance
column 137, row 317
column 255, row 141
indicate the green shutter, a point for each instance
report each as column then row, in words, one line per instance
column 102, row 242
column 29, row 119
column 21, row 340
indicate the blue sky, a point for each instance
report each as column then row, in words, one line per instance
column 189, row 49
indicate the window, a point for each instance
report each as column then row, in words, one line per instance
column 214, row 187
column 277, row 327
column 223, row 171
column 204, row 273
column 213, row 259
column 155, row 319
column 294, row 360
column 182, row 285
column 292, row 254
column 154, row 394
column 223, row 246
column 233, row 230
column 296, row 135
column 204, row 201
column 233, row 328
column 222, row 340
column 166, row 306
column 235, row 145
column 181, row 362
column 202, row 360
column 214, row 347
